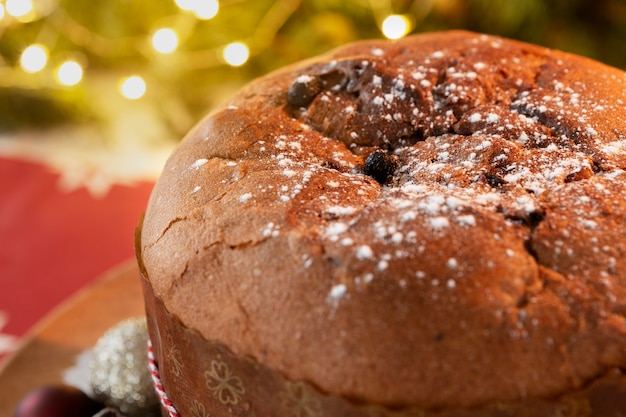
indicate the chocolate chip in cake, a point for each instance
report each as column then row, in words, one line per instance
column 380, row 165
column 303, row 90
column 494, row 180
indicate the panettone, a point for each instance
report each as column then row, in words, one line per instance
column 433, row 226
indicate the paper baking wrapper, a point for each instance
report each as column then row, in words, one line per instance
column 205, row 379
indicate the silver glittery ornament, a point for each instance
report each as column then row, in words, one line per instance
column 119, row 372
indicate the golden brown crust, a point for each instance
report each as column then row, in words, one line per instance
column 204, row 379
column 482, row 259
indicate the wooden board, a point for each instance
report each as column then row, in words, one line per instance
column 75, row 326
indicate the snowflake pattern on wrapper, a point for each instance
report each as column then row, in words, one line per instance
column 299, row 401
column 198, row 410
column 175, row 357
column 223, row 384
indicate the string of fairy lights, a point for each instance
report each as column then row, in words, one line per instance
column 70, row 72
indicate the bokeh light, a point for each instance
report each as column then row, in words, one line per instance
column 165, row 41
column 34, row 58
column 396, row 26
column 187, row 5
column 19, row 8
column 236, row 54
column 133, row 87
column 206, row 9
column 69, row 73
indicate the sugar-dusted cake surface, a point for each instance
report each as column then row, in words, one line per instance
column 433, row 223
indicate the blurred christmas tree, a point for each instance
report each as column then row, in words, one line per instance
column 72, row 61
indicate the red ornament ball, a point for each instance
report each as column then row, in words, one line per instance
column 57, row 401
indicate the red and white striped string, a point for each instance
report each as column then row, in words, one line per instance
column 158, row 386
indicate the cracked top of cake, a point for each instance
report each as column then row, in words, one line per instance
column 434, row 221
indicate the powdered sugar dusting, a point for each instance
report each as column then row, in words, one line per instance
column 491, row 160
column 338, row 291
column 364, row 252
column 439, row 222
column 471, row 149
column 198, row 163
column 245, row 197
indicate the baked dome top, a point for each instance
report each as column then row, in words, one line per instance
column 438, row 220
